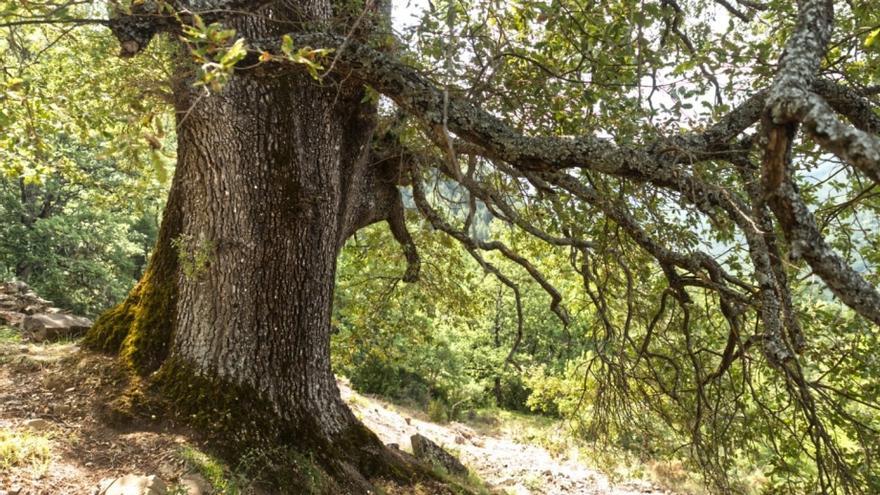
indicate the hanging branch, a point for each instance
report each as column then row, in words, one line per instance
column 469, row 242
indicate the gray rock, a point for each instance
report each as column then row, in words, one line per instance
column 42, row 327
column 37, row 424
column 9, row 302
column 15, row 287
column 195, row 484
column 167, row 471
column 132, row 484
column 14, row 490
column 427, row 450
column 32, row 309
column 11, row 318
column 18, row 298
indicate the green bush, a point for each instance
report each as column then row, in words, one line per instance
column 512, row 394
column 374, row 376
column 80, row 252
column 437, row 411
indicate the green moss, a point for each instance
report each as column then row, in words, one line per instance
column 237, row 420
column 213, row 469
column 234, row 414
column 9, row 335
column 288, row 471
column 194, row 255
column 300, row 459
column 148, row 340
column 140, row 328
column 110, row 329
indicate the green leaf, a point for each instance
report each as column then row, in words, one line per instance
column 872, row 38
column 159, row 166
column 235, row 53
column 287, row 45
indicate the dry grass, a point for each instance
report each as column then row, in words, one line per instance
column 23, row 448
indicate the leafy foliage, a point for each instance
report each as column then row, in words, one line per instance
column 638, row 356
column 83, row 160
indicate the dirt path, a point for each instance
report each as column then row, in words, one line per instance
column 515, row 468
column 67, row 393
column 52, row 399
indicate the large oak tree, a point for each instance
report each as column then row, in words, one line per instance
column 285, row 160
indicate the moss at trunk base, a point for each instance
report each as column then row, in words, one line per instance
column 293, row 456
column 239, row 423
column 139, row 329
column 273, row 451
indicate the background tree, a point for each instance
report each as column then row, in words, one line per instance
column 81, row 182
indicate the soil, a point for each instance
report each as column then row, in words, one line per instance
column 73, row 392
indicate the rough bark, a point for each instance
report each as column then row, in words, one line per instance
column 790, row 103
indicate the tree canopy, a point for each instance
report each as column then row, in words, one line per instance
column 628, row 213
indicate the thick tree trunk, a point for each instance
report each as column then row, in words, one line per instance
column 234, row 310
column 261, row 174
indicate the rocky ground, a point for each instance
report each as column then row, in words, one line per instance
column 498, row 459
column 36, row 318
column 56, row 397
column 61, row 434
column 53, row 412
